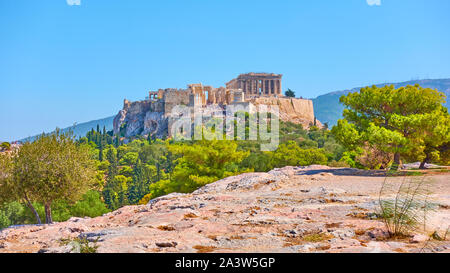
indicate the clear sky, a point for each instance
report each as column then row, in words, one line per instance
column 62, row 63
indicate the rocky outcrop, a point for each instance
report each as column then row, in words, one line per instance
column 152, row 117
column 141, row 118
column 298, row 111
column 293, row 209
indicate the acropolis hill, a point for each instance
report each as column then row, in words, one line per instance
column 153, row 115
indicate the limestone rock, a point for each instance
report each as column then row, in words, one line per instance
column 279, row 211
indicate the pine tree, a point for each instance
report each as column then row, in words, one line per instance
column 100, row 153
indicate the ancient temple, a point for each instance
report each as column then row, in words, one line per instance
column 243, row 88
column 257, row 84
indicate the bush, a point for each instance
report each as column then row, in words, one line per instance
column 290, row 154
column 338, row 164
column 5, row 146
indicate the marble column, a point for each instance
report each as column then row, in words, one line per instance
column 258, row 85
column 279, row 84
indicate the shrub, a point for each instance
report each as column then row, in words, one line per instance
column 5, row 146
column 408, row 210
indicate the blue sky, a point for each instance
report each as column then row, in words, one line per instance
column 61, row 63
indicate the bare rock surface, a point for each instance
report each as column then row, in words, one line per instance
column 293, row 209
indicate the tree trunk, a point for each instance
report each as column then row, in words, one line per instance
column 397, row 162
column 424, row 161
column 33, row 210
column 48, row 214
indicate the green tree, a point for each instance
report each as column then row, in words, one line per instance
column 200, row 164
column 289, row 93
column 115, row 191
column 392, row 120
column 90, row 205
column 290, row 154
column 12, row 213
column 143, row 176
column 53, row 167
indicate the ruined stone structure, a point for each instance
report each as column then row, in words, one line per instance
column 152, row 116
column 257, row 84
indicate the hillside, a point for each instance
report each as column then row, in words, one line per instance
column 328, row 109
column 293, row 209
column 81, row 129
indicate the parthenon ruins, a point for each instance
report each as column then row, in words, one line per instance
column 257, row 84
column 244, row 88
column 155, row 114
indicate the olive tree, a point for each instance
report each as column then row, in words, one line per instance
column 53, row 167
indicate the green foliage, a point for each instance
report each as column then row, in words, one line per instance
column 290, row 154
column 91, row 205
column 5, row 146
column 129, row 159
column 289, row 93
column 12, row 213
column 200, row 164
column 53, row 167
column 15, row 213
column 115, row 191
column 410, row 122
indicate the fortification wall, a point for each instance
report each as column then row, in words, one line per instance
column 174, row 98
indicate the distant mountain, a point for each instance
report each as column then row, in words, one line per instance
column 81, row 129
column 328, row 109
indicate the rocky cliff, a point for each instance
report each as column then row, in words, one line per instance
column 293, row 209
column 152, row 117
column 141, row 118
column 299, row 111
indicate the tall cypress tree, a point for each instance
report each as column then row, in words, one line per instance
column 140, row 184
column 100, row 153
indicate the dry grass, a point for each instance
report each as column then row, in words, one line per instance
column 237, row 237
column 333, row 225
column 204, row 249
column 293, row 241
column 358, row 215
column 190, row 216
column 212, row 237
column 317, row 237
column 360, row 232
column 309, row 238
column 166, row 228
column 324, row 247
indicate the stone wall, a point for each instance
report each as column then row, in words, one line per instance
column 173, row 98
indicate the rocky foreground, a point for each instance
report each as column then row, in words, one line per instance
column 293, row 209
